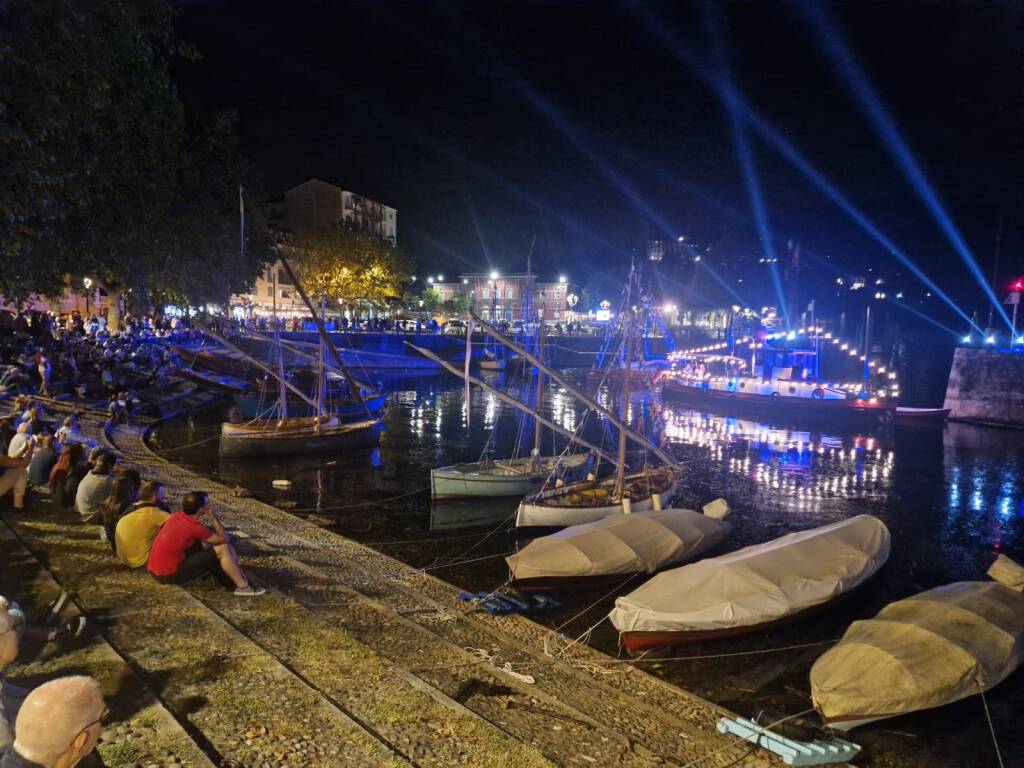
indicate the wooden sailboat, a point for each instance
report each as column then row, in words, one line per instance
column 284, row 435
column 515, row 476
column 592, row 499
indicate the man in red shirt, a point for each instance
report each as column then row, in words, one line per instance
column 185, row 549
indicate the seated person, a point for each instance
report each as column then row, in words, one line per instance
column 20, row 442
column 94, row 488
column 71, row 456
column 138, row 527
column 185, row 549
column 14, row 477
column 8, row 653
column 43, row 459
column 58, row 725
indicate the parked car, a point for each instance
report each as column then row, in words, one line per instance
column 455, row 328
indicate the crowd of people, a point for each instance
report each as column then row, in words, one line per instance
column 43, row 459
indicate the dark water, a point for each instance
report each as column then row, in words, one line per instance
column 952, row 497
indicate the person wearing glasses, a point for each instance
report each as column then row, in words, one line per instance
column 58, row 725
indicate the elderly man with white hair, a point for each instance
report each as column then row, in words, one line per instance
column 58, row 725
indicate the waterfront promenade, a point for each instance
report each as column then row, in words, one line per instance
column 352, row 658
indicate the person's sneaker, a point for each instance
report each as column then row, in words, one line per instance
column 56, row 607
column 249, row 591
column 73, row 628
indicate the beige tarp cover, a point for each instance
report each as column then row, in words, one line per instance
column 640, row 542
column 758, row 584
column 922, row 652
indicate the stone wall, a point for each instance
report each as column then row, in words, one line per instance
column 986, row 385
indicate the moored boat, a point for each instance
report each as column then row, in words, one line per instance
column 504, row 477
column 926, row 651
column 297, row 435
column 924, row 417
column 591, row 500
column 617, row 545
column 753, row 588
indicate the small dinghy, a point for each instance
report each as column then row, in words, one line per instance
column 753, row 588
column 643, row 542
column 504, row 477
column 928, row 650
column 920, row 417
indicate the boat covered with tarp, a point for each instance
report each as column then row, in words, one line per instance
column 926, row 651
column 754, row 587
column 618, row 545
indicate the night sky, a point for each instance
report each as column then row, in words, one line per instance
column 485, row 123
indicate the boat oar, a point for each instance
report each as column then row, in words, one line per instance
column 513, row 402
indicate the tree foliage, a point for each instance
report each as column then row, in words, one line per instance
column 349, row 263
column 101, row 171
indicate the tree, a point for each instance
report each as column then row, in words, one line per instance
column 101, row 171
column 349, row 263
column 432, row 300
column 459, row 304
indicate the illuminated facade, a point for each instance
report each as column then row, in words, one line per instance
column 496, row 296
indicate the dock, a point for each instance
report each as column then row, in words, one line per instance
column 352, row 658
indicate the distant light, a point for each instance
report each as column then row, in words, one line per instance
column 440, row 278
column 968, row 339
column 414, row 278
column 839, row 281
column 899, row 294
column 1020, row 339
column 696, row 258
column 465, row 281
column 430, row 280
column 990, row 340
column 735, row 307
column 495, row 275
column 1018, row 286
column 87, row 282
column 561, row 278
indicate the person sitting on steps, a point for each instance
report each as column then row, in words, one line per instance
column 185, row 549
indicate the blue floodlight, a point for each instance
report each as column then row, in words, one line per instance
column 990, row 339
column 968, row 339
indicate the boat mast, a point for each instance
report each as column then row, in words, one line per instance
column 506, row 398
column 282, row 393
column 353, row 385
column 578, row 393
column 320, row 376
column 259, row 364
column 620, row 472
column 540, row 395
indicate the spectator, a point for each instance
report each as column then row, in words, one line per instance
column 136, row 530
column 69, row 433
column 15, row 477
column 20, row 442
column 43, row 460
column 72, row 455
column 58, row 725
column 123, row 493
column 8, row 653
column 94, row 488
column 185, row 549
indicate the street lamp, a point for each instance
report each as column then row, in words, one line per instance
column 561, row 278
column 430, row 279
column 494, row 274
column 440, row 278
column 87, row 282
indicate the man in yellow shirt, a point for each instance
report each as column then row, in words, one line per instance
column 135, row 531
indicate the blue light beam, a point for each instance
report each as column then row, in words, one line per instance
column 857, row 82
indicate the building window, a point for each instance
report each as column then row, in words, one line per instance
column 557, row 314
column 270, row 290
column 282, row 277
column 508, row 292
column 486, row 314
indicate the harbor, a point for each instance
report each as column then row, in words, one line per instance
column 511, row 385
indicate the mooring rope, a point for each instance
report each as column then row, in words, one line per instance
column 991, row 726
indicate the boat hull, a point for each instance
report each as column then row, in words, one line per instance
column 285, row 442
column 469, row 480
column 537, row 514
column 806, row 409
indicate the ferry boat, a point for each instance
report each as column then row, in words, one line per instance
column 780, row 384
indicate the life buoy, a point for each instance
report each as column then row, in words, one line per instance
column 818, row 393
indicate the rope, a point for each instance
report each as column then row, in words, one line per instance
column 360, row 503
column 464, row 562
column 614, row 662
column 991, row 727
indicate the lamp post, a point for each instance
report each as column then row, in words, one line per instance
column 87, row 282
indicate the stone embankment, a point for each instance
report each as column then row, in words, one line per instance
column 351, row 659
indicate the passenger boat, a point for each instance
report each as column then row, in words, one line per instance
column 926, row 651
column 505, row 477
column 754, row 588
column 779, row 384
column 618, row 545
